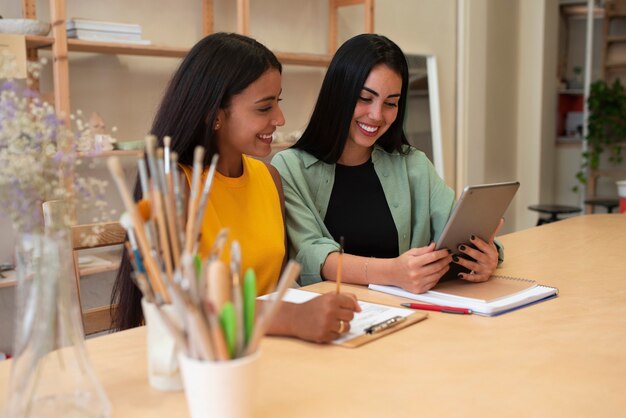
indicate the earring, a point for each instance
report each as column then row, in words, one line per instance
column 216, row 126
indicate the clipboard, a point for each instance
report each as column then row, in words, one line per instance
column 363, row 339
column 385, row 319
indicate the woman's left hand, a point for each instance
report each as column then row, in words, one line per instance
column 485, row 255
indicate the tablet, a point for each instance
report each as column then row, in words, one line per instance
column 477, row 212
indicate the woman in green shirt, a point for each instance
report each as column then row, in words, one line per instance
column 353, row 174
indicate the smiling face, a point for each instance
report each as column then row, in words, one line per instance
column 375, row 111
column 247, row 124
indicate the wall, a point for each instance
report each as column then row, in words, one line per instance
column 428, row 27
column 536, row 107
column 506, row 99
column 487, row 95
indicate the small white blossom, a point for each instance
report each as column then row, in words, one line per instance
column 38, row 155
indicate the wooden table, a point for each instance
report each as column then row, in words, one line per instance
column 564, row 357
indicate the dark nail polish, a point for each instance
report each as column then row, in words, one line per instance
column 449, row 251
column 462, row 247
column 455, row 258
column 473, row 237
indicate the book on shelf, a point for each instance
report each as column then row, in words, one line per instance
column 106, row 35
column 99, row 25
column 498, row 295
column 105, row 38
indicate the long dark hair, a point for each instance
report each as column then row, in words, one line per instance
column 217, row 68
column 327, row 131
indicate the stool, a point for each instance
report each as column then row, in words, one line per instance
column 607, row 202
column 554, row 211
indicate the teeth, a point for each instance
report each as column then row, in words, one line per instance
column 370, row 129
column 265, row 136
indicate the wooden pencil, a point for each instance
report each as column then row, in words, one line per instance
column 339, row 265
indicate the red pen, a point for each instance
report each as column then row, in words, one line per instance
column 437, row 308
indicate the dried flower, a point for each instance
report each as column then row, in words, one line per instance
column 38, row 155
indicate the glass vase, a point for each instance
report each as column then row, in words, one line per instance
column 51, row 375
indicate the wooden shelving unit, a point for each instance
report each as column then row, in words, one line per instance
column 115, row 48
column 61, row 45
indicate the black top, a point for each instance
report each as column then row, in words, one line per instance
column 359, row 212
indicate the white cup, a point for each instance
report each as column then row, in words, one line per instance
column 163, row 370
column 621, row 191
column 220, row 389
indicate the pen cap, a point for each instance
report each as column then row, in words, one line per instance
column 228, row 321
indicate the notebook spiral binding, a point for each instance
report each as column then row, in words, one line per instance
column 521, row 279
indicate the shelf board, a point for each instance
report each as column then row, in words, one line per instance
column 573, row 92
column 581, row 11
column 78, row 45
column 566, row 141
column 36, row 42
column 615, row 39
column 293, row 58
column 616, row 65
column 104, row 262
column 9, row 280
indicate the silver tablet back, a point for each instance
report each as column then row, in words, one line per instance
column 477, row 212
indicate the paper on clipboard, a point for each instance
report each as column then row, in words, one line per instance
column 371, row 314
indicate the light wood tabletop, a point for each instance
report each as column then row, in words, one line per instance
column 565, row 357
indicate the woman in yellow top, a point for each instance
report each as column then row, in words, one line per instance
column 225, row 96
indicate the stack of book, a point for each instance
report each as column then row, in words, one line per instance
column 100, row 31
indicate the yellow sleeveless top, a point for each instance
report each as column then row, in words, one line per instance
column 249, row 207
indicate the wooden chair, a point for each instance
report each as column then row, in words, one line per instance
column 88, row 236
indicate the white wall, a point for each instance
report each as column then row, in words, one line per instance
column 428, row 27
column 507, row 100
column 536, row 107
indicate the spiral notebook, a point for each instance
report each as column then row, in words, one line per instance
column 499, row 295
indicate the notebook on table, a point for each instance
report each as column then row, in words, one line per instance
column 498, row 295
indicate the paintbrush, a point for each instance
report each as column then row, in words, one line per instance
column 289, row 276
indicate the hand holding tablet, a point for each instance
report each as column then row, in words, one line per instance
column 477, row 213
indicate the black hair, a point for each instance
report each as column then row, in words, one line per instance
column 218, row 67
column 326, row 134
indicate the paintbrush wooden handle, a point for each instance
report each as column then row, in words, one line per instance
column 218, row 284
column 154, row 274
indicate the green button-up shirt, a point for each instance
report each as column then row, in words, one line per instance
column 419, row 200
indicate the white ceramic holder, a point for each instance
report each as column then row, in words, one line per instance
column 220, row 389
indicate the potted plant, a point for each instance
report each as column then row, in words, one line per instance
column 606, row 126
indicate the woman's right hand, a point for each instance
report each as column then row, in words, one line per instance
column 419, row 269
column 320, row 319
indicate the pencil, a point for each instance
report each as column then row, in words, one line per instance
column 339, row 265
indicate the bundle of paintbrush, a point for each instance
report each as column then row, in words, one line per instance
column 217, row 307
